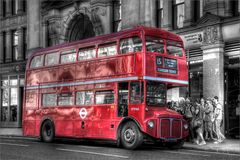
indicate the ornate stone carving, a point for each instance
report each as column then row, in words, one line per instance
column 12, row 22
column 95, row 17
column 211, row 35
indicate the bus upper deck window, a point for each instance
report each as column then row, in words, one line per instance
column 51, row 59
column 107, row 50
column 86, row 53
column 133, row 44
column 174, row 48
column 68, row 56
column 37, row 62
column 154, row 44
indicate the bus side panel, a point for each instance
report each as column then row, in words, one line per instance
column 138, row 112
column 104, row 124
column 138, row 64
column 29, row 115
column 150, row 65
column 33, row 77
column 63, row 120
column 83, row 122
column 67, row 73
column 183, row 70
column 122, row 65
column 125, row 64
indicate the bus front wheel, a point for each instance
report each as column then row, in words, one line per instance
column 131, row 136
column 47, row 131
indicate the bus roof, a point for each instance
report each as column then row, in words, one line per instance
column 127, row 32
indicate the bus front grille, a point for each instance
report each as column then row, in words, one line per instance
column 170, row 128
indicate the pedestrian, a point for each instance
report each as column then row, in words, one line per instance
column 198, row 123
column 208, row 119
column 218, row 113
column 187, row 111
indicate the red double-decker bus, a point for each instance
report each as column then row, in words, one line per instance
column 111, row 87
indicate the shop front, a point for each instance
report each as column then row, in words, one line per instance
column 11, row 96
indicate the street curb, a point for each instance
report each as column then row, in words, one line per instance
column 211, row 150
column 18, row 137
column 186, row 146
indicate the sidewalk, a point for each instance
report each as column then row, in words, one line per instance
column 228, row 146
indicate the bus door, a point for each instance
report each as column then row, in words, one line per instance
column 136, row 107
column 122, row 108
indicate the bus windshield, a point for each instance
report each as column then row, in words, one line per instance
column 156, row 93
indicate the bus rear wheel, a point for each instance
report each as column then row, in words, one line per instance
column 47, row 131
column 131, row 136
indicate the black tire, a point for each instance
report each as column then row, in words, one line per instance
column 47, row 131
column 177, row 145
column 131, row 136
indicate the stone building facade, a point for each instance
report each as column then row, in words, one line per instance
column 210, row 30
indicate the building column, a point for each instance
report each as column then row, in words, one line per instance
column 8, row 8
column 20, row 44
column 45, row 34
column 189, row 12
column 20, row 6
column 168, row 15
column 130, row 15
column 148, row 13
column 8, row 55
column 33, row 28
column 1, row 48
column 213, row 65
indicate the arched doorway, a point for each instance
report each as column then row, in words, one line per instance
column 80, row 27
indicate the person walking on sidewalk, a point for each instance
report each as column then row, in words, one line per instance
column 198, row 124
column 218, row 112
column 188, row 115
column 208, row 119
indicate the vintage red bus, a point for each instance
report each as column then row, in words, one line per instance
column 110, row 87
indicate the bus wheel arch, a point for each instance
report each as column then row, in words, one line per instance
column 132, row 128
column 47, row 130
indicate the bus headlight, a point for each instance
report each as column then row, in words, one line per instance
column 150, row 124
column 185, row 126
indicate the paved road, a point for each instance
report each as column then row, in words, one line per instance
column 31, row 149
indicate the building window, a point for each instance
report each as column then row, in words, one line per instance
column 24, row 4
column 195, row 80
column 24, row 41
column 236, row 7
column 10, row 93
column 159, row 13
column 15, row 45
column 4, row 8
column 198, row 9
column 4, row 45
column 117, row 15
column 14, row 7
column 178, row 13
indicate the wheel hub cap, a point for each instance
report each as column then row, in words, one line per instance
column 129, row 135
